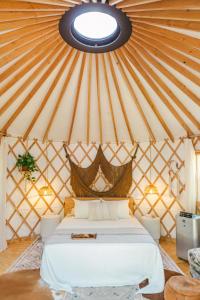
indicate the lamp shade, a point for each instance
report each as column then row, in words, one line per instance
column 45, row 191
column 151, row 189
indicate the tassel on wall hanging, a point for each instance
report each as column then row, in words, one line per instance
column 174, row 176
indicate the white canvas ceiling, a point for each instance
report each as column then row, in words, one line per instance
column 146, row 90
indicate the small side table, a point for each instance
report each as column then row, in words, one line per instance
column 48, row 224
column 152, row 225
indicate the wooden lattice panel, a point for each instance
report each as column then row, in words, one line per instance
column 25, row 207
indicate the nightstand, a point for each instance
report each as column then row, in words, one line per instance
column 152, row 225
column 48, row 224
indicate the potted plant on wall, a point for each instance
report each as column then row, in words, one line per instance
column 27, row 165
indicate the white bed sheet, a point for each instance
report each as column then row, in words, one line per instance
column 123, row 254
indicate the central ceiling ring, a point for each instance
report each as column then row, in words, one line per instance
column 73, row 37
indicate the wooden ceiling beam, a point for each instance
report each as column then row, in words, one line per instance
column 10, row 47
column 76, row 98
column 125, row 52
column 170, row 61
column 61, row 95
column 120, row 98
column 72, row 2
column 143, row 68
column 54, row 50
column 27, row 6
column 26, row 31
column 109, row 98
column 183, row 47
column 187, row 25
column 13, row 16
column 4, row 26
column 142, row 53
column 23, row 71
column 114, row 2
column 27, row 57
column 89, row 97
column 157, row 86
column 163, row 5
column 47, row 2
column 190, row 15
column 135, row 3
column 168, row 50
column 49, row 93
column 99, row 98
column 23, row 49
column 153, row 60
column 134, row 97
column 184, row 39
column 56, row 57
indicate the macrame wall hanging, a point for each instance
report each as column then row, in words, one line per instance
column 120, row 177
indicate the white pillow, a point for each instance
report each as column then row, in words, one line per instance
column 123, row 209
column 102, row 210
column 95, row 210
column 81, row 209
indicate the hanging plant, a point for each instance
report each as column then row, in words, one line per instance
column 27, row 165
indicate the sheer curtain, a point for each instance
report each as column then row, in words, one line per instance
column 3, row 175
column 190, row 177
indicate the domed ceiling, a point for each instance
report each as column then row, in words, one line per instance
column 147, row 89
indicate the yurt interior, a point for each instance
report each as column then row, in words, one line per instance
column 99, row 149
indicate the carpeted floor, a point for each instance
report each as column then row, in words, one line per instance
column 22, row 282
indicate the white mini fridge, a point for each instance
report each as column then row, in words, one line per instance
column 187, row 233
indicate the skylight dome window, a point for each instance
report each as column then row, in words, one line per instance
column 95, row 25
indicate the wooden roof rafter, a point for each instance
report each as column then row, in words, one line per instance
column 24, row 48
column 148, row 74
column 61, row 94
column 120, row 98
column 58, row 56
column 162, row 57
column 48, row 94
column 98, row 98
column 171, row 24
column 146, row 95
column 163, row 5
column 170, row 42
column 22, row 72
column 26, row 23
column 109, row 99
column 27, row 57
column 89, row 98
column 32, row 77
column 164, row 86
column 134, row 97
column 76, row 100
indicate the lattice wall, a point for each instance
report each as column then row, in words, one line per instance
column 24, row 206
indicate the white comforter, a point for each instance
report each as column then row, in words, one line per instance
column 123, row 254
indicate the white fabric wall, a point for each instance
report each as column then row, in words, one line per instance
column 190, row 177
column 3, row 177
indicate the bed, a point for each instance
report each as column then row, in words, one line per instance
column 122, row 254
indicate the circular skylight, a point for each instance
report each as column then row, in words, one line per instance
column 95, row 25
